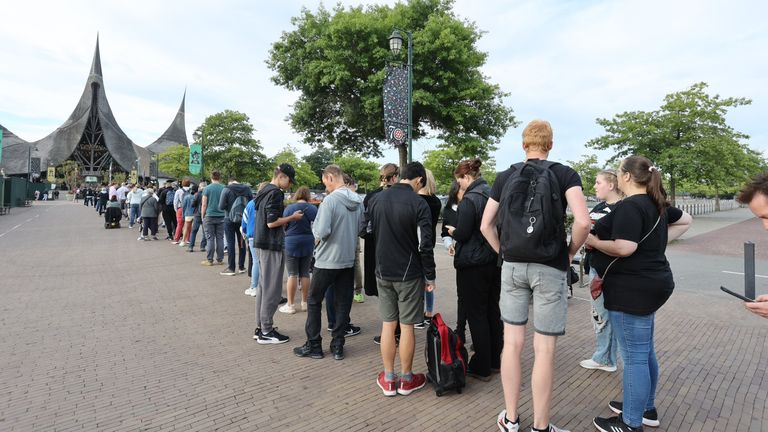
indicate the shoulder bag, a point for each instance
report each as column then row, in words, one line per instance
column 596, row 285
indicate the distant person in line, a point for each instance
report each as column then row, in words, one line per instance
column 197, row 222
column 213, row 220
column 188, row 212
column 178, row 207
column 247, row 226
column 755, row 195
column 434, row 203
column 134, row 200
column 450, row 218
column 149, row 209
column 166, row 206
column 235, row 196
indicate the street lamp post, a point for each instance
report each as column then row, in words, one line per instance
column 395, row 45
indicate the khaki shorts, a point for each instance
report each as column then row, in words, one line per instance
column 547, row 286
column 401, row 300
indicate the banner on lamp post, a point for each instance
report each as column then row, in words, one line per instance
column 1, row 144
column 134, row 176
column 396, row 105
column 51, row 174
column 195, row 158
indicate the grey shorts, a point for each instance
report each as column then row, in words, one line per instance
column 298, row 266
column 401, row 301
column 547, row 286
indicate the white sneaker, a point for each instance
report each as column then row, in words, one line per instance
column 253, row 292
column 287, row 308
column 182, row 244
column 304, row 306
column 250, row 292
column 505, row 425
column 591, row 364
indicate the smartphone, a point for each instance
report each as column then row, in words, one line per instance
column 737, row 295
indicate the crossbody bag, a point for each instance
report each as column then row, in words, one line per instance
column 596, row 285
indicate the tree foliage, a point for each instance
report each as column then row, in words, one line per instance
column 305, row 176
column 175, row 161
column 687, row 137
column 336, row 60
column 446, row 157
column 229, row 146
column 587, row 167
column 71, row 172
column 365, row 172
column 320, row 158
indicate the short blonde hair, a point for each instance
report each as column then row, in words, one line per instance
column 537, row 136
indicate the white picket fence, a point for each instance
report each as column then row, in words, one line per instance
column 702, row 206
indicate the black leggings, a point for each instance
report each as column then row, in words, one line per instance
column 150, row 223
column 479, row 289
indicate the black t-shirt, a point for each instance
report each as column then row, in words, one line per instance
column 566, row 178
column 642, row 282
column 434, row 208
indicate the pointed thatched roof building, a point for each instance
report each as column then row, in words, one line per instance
column 90, row 136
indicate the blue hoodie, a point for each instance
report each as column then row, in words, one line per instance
column 249, row 219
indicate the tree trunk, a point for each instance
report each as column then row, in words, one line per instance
column 717, row 199
column 672, row 189
column 403, row 152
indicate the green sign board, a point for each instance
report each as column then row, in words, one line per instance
column 1, row 145
column 195, row 158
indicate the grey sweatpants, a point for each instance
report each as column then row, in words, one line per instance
column 270, row 289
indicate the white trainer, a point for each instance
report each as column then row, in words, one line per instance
column 591, row 364
column 287, row 308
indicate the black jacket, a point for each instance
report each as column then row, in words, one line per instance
column 269, row 208
column 472, row 249
column 394, row 215
column 230, row 194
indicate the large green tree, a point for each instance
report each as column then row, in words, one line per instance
column 687, row 137
column 320, row 158
column 336, row 59
column 229, row 146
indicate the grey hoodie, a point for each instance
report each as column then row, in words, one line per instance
column 336, row 228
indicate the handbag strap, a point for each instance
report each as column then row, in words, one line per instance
column 641, row 240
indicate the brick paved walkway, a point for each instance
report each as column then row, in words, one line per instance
column 101, row 332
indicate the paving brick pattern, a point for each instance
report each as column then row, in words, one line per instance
column 101, row 332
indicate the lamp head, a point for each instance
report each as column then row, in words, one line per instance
column 395, row 42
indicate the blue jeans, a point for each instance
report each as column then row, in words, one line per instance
column 429, row 301
column 134, row 214
column 256, row 269
column 234, row 244
column 641, row 369
column 214, row 235
column 605, row 352
column 196, row 224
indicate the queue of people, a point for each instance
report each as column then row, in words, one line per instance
column 509, row 246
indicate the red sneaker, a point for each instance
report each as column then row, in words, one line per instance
column 388, row 387
column 407, row 387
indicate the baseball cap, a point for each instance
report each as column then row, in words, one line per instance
column 288, row 170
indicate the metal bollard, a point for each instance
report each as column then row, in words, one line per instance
column 749, row 269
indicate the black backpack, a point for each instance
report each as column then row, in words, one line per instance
column 446, row 358
column 236, row 211
column 531, row 214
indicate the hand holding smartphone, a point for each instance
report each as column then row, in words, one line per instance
column 737, row 295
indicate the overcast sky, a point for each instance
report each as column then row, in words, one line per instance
column 569, row 62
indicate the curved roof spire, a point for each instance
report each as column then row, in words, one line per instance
column 176, row 134
column 96, row 64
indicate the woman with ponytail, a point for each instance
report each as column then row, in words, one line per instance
column 629, row 254
column 478, row 277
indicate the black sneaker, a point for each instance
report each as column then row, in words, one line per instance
column 650, row 417
column 424, row 324
column 257, row 333
column 352, row 331
column 272, row 337
column 338, row 352
column 309, row 350
column 283, row 300
column 614, row 424
column 377, row 340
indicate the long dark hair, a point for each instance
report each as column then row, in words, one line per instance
column 645, row 173
column 453, row 194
